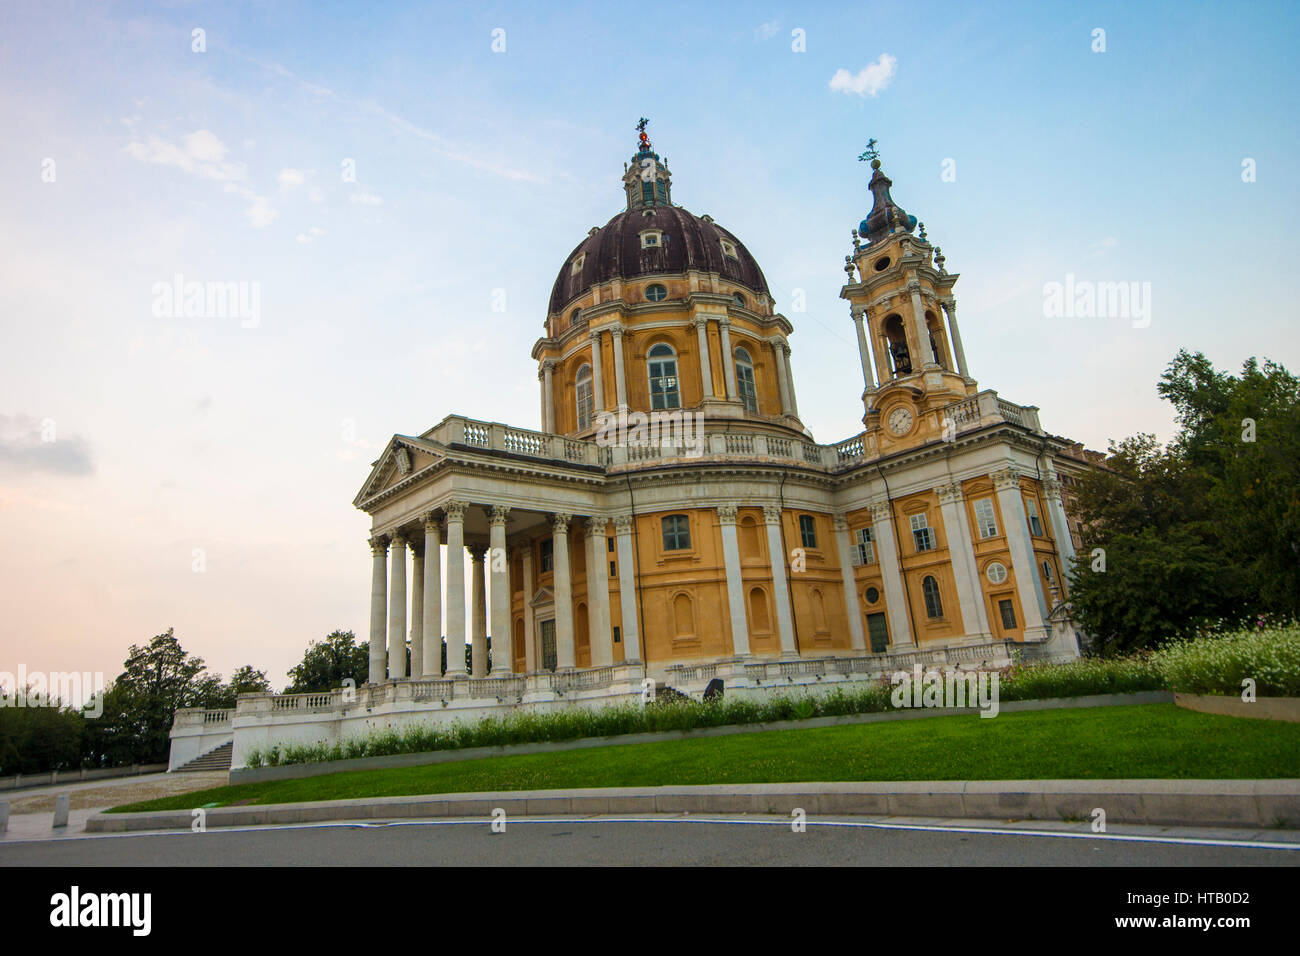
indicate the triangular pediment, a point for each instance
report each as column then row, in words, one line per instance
column 402, row 458
column 543, row 597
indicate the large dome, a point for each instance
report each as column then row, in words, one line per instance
column 689, row 242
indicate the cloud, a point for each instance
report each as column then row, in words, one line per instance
column 199, row 153
column 310, row 234
column 870, row 80
column 259, row 212
column 366, row 198
column 291, row 178
column 765, row 31
column 31, row 445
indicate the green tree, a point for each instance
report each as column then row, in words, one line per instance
column 327, row 663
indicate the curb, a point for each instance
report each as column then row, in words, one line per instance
column 300, row 770
column 1209, row 803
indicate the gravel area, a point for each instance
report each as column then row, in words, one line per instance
column 112, row 793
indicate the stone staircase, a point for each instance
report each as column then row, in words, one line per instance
column 215, row 759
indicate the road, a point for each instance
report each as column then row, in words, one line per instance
column 665, row 841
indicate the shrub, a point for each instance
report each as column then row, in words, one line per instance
column 1218, row 665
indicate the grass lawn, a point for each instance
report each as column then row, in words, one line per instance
column 1153, row 740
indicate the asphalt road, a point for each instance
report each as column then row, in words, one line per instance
column 655, row 842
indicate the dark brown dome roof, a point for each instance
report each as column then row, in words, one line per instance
column 689, row 242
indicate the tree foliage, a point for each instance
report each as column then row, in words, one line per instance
column 1204, row 532
column 327, row 663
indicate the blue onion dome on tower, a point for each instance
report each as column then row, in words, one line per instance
column 886, row 216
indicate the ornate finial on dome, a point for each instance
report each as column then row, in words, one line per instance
column 920, row 228
column 886, row 216
column 647, row 182
column 939, row 259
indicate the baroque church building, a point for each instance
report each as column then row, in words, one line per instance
column 673, row 520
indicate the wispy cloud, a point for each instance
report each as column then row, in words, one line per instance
column 31, row 445
column 199, row 153
column 868, row 81
column 767, row 30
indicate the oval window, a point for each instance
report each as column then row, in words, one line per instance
column 881, row 264
column 656, row 292
column 996, row 572
column 873, row 595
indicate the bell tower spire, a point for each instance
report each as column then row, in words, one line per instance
column 647, row 180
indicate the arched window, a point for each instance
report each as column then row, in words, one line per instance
column 656, row 292
column 662, row 365
column 900, row 360
column 749, row 546
column 740, row 299
column 745, row 380
column 582, row 385
column 933, row 605
column 573, row 316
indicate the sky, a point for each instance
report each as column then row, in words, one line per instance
column 381, row 179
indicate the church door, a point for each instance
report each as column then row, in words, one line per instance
column 548, row 645
column 879, row 632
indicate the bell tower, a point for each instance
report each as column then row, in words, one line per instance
column 899, row 294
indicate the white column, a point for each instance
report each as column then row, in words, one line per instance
column 950, row 307
column 503, row 644
column 776, row 551
column 597, row 377
column 417, row 611
column 922, row 333
column 851, row 605
column 778, row 355
column 431, row 666
column 864, row 350
column 728, row 360
column 530, row 652
column 1028, row 584
column 627, row 588
column 455, row 587
column 541, row 387
column 548, row 393
column 1060, row 527
column 789, row 378
column 479, row 565
column 397, row 611
column 620, row 372
column 706, row 370
column 735, row 584
column 961, row 552
column 565, row 656
column 882, row 535
column 378, row 612
column 602, row 636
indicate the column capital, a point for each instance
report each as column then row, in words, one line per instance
column 1007, row 478
column 478, row 552
column 840, row 522
column 616, row 330
column 597, row 526
column 455, row 510
column 498, row 515
column 1052, row 488
column 727, row 514
column 724, row 322
column 780, row 344
column 432, row 523
column 858, row 312
column 700, row 321
column 772, row 514
column 949, row 305
column 399, row 540
column 622, row 524
column 594, row 334
column 560, row 522
column 949, row 493
column 914, row 286
column 378, row 544
column 548, row 365
column 881, row 510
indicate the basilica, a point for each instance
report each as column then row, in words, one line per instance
column 673, row 523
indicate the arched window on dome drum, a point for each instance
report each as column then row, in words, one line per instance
column 745, row 380
column 573, row 316
column 933, row 605
column 582, row 387
column 661, row 362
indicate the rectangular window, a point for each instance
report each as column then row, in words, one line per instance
column 618, row 638
column 609, row 545
column 677, row 532
column 1008, row 615
column 613, row 570
column 922, row 533
column 984, row 519
column 1035, row 524
column 548, row 555
column 866, row 547
column 808, row 531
